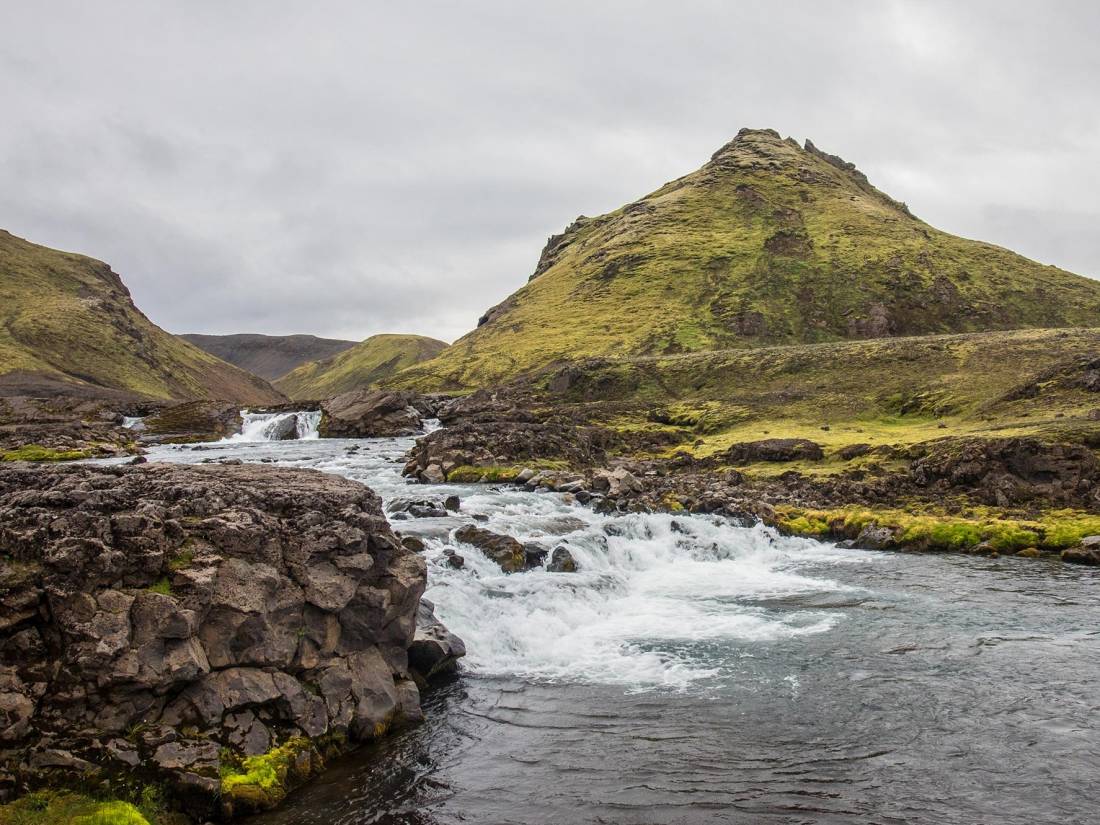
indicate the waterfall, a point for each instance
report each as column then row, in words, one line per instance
column 278, row 426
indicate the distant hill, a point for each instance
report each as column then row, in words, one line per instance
column 269, row 356
column 69, row 326
column 367, row 363
column 770, row 242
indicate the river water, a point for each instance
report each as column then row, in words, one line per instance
column 694, row 671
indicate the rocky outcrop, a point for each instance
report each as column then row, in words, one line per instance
column 1086, row 552
column 512, row 555
column 201, row 628
column 193, row 421
column 774, row 449
column 1006, row 471
column 371, row 414
column 65, row 424
column 435, row 650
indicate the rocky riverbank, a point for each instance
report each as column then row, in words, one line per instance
column 212, row 634
column 1027, row 495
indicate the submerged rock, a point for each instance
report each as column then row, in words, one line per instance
column 175, row 617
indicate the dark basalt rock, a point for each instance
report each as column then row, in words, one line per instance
column 1005, row 471
column 152, row 616
column 506, row 551
column 371, row 414
column 1087, row 552
column 193, row 421
column 774, row 449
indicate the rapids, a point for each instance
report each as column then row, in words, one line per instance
column 694, row 671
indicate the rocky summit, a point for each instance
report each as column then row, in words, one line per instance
column 215, row 632
column 770, row 242
column 69, row 327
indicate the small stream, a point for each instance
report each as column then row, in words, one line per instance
column 694, row 671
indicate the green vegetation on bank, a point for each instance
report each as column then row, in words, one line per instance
column 67, row 322
column 364, row 365
column 260, row 782
column 65, row 808
column 35, row 452
column 768, row 243
column 982, row 528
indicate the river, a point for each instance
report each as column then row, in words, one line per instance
column 694, row 671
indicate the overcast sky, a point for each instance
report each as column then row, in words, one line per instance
column 346, row 168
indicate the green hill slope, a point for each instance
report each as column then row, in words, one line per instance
column 367, row 363
column 68, row 325
column 768, row 243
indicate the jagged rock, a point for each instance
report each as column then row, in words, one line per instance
column 506, row 551
column 207, row 607
column 616, row 482
column 434, row 650
column 369, row 414
column 774, row 449
column 193, row 421
column 1087, row 552
column 562, row 561
column 284, row 429
column 420, row 508
column 1006, row 471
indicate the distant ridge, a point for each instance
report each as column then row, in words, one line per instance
column 364, row 365
column 268, row 356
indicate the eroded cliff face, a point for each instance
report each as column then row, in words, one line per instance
column 215, row 630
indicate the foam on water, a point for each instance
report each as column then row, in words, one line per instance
column 261, row 426
column 660, row 601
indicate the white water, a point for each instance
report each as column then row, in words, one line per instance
column 261, row 426
column 658, row 600
column 133, row 422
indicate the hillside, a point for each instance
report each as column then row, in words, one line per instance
column 268, row 356
column 69, row 326
column 367, row 363
column 768, row 243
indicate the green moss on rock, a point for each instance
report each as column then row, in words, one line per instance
column 63, row 808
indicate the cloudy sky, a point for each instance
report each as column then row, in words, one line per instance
column 346, row 168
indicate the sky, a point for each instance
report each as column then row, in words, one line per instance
column 348, row 168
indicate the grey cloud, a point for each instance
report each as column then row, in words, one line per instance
column 348, row 168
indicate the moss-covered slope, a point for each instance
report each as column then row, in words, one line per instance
column 768, row 243
column 367, row 363
column 68, row 324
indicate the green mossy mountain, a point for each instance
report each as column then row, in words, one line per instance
column 364, row 365
column 69, row 327
column 769, row 243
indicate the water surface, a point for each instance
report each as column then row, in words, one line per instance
column 698, row 672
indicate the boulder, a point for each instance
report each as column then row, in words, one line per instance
column 173, row 617
column 616, row 482
column 562, row 561
column 774, row 449
column 506, row 551
column 1087, row 552
column 419, row 508
column 370, row 414
column 284, row 429
column 434, row 650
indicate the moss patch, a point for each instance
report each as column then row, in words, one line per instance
column 62, row 808
column 1000, row 532
column 34, row 452
column 258, row 783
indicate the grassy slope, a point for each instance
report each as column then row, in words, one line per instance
column 68, row 319
column 367, row 363
column 768, row 243
column 888, row 391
